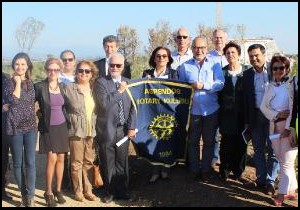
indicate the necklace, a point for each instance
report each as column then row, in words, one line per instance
column 53, row 89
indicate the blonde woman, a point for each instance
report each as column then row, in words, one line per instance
column 53, row 128
column 81, row 120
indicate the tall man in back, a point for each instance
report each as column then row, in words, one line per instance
column 183, row 51
column 255, row 81
column 219, row 40
column 110, row 46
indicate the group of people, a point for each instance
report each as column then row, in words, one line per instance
column 83, row 109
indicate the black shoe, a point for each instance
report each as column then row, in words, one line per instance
column 50, row 202
column 107, row 198
column 59, row 196
column 6, row 197
column 270, row 189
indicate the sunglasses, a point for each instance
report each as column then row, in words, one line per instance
column 112, row 65
column 276, row 68
column 86, row 71
column 161, row 56
column 53, row 70
column 182, row 37
column 67, row 59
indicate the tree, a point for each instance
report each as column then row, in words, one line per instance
column 128, row 42
column 28, row 32
column 161, row 35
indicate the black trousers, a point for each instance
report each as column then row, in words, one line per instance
column 5, row 160
column 114, row 162
column 233, row 153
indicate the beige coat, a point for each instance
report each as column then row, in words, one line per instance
column 76, row 114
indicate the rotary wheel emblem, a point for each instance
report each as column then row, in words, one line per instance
column 163, row 126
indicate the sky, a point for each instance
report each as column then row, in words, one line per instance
column 82, row 26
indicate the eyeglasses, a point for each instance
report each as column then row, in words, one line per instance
column 182, row 37
column 112, row 65
column 86, row 71
column 200, row 48
column 67, row 59
column 276, row 68
column 53, row 70
column 161, row 56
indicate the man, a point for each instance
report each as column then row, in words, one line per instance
column 183, row 52
column 69, row 61
column 206, row 77
column 219, row 40
column 5, row 144
column 115, row 119
column 67, row 76
column 255, row 81
column 110, row 46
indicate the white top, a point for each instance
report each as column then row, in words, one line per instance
column 178, row 59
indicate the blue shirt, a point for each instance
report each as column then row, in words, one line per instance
column 205, row 101
column 219, row 58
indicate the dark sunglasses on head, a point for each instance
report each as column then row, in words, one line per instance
column 182, row 37
column 112, row 65
column 276, row 68
column 67, row 59
column 87, row 71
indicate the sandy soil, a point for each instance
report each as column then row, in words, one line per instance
column 181, row 190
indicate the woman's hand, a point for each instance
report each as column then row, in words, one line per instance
column 285, row 133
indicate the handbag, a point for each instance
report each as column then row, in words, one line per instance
column 98, row 181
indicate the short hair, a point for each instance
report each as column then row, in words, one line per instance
column 281, row 59
column 118, row 55
column 28, row 62
column 94, row 70
column 257, row 46
column 219, row 30
column 232, row 44
column 200, row 37
column 152, row 58
column 110, row 38
column 50, row 61
column 65, row 51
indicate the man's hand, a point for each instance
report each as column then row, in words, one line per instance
column 122, row 87
column 198, row 85
column 131, row 133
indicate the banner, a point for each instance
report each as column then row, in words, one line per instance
column 163, row 111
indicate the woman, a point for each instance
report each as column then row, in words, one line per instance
column 233, row 148
column 53, row 128
column 81, row 119
column 160, row 61
column 20, row 125
column 277, row 106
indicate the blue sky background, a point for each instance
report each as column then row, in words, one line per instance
column 81, row 26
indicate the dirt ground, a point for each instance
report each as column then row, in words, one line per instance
column 180, row 190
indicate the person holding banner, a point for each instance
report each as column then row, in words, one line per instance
column 160, row 61
column 206, row 77
column 116, row 118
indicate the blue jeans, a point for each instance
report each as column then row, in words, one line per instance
column 266, row 167
column 206, row 127
column 217, row 147
column 23, row 145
